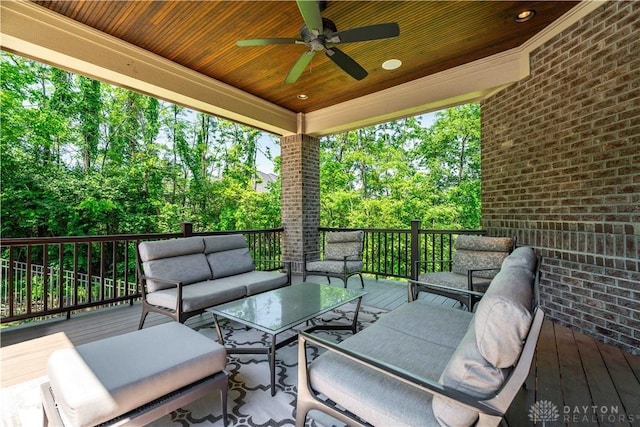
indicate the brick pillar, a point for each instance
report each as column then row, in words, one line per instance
column 300, row 198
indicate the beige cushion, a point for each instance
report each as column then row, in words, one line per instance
column 484, row 243
column 95, row 382
column 339, row 244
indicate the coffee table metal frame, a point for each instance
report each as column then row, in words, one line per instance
column 296, row 304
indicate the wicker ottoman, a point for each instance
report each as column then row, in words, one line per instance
column 133, row 379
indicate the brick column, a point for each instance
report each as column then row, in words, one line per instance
column 300, row 197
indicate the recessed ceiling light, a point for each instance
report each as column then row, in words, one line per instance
column 525, row 15
column 303, row 96
column 391, row 64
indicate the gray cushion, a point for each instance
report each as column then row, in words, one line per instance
column 254, row 282
column 186, row 269
column 468, row 372
column 427, row 321
column 230, row 262
column 261, row 281
column 96, row 382
column 506, row 303
column 223, row 242
column 523, row 257
column 170, row 248
column 199, row 295
column 375, row 397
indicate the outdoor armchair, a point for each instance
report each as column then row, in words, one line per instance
column 475, row 262
column 342, row 257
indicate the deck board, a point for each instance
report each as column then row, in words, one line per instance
column 569, row 369
column 623, row 377
column 575, row 389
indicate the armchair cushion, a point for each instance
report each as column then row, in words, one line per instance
column 334, row 266
column 480, row 252
column 339, row 244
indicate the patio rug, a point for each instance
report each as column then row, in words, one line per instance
column 249, row 401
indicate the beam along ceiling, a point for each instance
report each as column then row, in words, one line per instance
column 435, row 37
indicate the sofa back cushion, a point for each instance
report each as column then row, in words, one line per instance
column 493, row 343
column 502, row 318
column 468, row 372
column 480, row 252
column 177, row 260
column 228, row 255
column 339, row 244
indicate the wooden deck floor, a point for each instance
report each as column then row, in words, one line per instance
column 585, row 381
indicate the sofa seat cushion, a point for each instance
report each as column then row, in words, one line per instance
column 429, row 322
column 334, row 266
column 95, row 382
column 455, row 280
column 198, row 296
column 255, row 281
column 375, row 397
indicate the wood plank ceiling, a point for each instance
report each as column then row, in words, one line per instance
column 202, row 35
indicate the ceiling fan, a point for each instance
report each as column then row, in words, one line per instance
column 319, row 33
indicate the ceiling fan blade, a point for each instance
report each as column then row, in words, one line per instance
column 369, row 32
column 263, row 42
column 347, row 63
column 310, row 11
column 300, row 66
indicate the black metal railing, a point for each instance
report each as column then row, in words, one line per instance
column 42, row 277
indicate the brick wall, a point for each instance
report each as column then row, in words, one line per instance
column 300, row 174
column 561, row 170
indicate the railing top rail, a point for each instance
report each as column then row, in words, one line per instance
column 83, row 239
column 405, row 230
column 14, row 241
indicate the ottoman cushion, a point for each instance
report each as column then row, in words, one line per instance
column 95, row 382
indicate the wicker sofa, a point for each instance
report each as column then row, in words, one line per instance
column 425, row 364
column 182, row 277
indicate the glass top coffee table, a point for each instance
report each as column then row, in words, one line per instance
column 281, row 309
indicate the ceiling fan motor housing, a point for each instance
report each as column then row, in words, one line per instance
column 318, row 42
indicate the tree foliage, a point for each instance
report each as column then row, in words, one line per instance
column 81, row 157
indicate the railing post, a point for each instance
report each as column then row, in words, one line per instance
column 187, row 229
column 415, row 248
